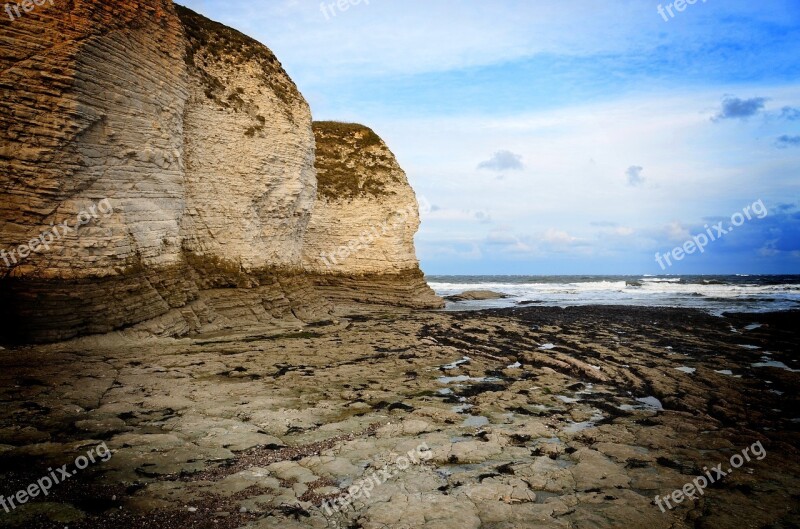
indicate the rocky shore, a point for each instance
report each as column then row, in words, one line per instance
column 529, row 417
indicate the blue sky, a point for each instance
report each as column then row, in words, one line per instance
column 570, row 137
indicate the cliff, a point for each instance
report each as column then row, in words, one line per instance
column 250, row 181
column 92, row 109
column 360, row 241
column 178, row 157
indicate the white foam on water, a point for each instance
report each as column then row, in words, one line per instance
column 671, row 291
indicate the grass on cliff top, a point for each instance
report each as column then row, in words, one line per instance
column 363, row 135
column 352, row 161
column 206, row 38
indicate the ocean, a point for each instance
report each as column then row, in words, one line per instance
column 714, row 294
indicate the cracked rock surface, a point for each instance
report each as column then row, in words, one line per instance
column 261, row 430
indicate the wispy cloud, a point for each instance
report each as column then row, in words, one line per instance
column 503, row 161
column 790, row 113
column 634, row 174
column 735, row 108
column 555, row 236
column 675, row 231
column 788, row 141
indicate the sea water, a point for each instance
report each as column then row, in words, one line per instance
column 714, row 294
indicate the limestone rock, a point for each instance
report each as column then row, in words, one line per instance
column 198, row 141
column 92, row 109
column 250, row 181
column 476, row 295
column 360, row 240
column 182, row 158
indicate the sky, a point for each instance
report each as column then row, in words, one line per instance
column 569, row 137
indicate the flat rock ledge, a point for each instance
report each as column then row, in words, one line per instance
column 476, row 295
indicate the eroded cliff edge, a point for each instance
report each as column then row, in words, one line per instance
column 360, row 241
column 200, row 142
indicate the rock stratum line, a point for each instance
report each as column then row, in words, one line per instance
column 206, row 149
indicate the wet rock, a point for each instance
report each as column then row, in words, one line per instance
column 476, row 295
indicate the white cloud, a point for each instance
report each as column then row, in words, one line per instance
column 387, row 38
column 677, row 232
column 558, row 237
column 503, row 161
column 634, row 174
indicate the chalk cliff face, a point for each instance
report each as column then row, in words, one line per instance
column 92, row 108
column 198, row 144
column 360, row 241
column 250, row 181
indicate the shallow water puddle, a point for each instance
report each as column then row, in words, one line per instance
column 454, row 365
column 766, row 362
column 466, row 378
column 465, row 468
column 575, row 427
column 646, row 403
column 451, row 380
column 651, row 402
column 475, row 421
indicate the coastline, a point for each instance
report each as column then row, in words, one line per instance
column 533, row 416
column 715, row 294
